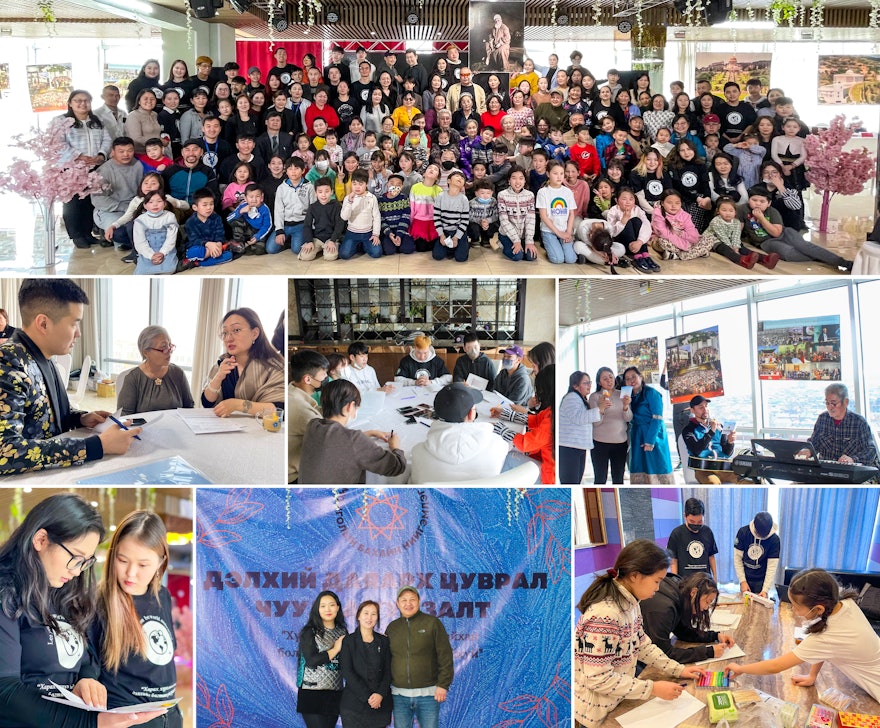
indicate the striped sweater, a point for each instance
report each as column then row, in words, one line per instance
column 516, row 215
column 608, row 643
column 422, row 200
column 451, row 214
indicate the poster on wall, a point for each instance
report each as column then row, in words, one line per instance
column 4, row 80
column 721, row 68
column 849, row 80
column 49, row 85
column 693, row 365
column 805, row 349
column 641, row 353
column 495, row 38
column 484, row 561
column 120, row 75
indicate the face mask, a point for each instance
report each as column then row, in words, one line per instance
column 448, row 165
column 155, row 214
column 353, row 418
column 322, row 165
column 484, row 202
column 472, row 353
column 807, row 621
column 414, row 142
column 507, row 363
column 693, row 528
column 316, row 384
column 394, row 191
column 355, row 365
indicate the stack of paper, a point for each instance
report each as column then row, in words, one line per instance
column 731, row 653
column 205, row 422
column 659, row 713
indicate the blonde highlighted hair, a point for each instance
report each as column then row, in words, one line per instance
column 422, row 342
column 123, row 635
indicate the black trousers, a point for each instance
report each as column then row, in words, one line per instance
column 572, row 462
column 78, row 217
column 604, row 453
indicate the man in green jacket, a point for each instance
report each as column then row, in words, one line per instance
column 421, row 663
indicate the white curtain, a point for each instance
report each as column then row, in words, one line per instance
column 9, row 299
column 88, row 343
column 212, row 307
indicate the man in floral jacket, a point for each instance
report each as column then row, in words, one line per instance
column 34, row 408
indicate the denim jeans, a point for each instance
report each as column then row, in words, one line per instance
column 507, row 249
column 294, row 232
column 557, row 251
column 460, row 251
column 354, row 241
column 425, row 709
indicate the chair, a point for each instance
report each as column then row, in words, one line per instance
column 83, row 381
column 120, row 378
column 690, row 476
column 519, row 477
column 63, row 363
column 867, row 260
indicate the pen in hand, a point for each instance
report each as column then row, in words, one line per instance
column 136, row 437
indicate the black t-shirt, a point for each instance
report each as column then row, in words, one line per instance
column 361, row 92
column 756, row 552
column 735, row 119
column 346, row 111
column 692, row 550
column 142, row 680
column 284, row 73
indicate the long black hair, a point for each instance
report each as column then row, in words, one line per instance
column 315, row 624
column 24, row 588
column 695, row 616
column 573, row 380
column 599, row 374
column 93, row 123
column 261, row 349
column 639, row 557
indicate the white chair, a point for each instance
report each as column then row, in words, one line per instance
column 867, row 260
column 63, row 363
column 120, row 378
column 83, row 381
column 689, row 476
column 519, row 477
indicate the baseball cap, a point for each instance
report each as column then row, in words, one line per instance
column 698, row 400
column 252, row 69
column 515, row 350
column 711, row 119
column 454, row 401
column 193, row 141
column 557, row 90
column 407, row 588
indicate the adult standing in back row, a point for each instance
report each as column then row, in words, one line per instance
column 692, row 544
column 421, row 663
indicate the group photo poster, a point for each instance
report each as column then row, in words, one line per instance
column 721, row 68
column 495, row 38
column 493, row 565
column 806, row 349
column 849, row 80
column 49, row 86
column 693, row 365
column 641, row 353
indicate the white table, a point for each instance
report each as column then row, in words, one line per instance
column 250, row 457
column 388, row 419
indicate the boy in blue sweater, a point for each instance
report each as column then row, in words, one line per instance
column 205, row 243
column 394, row 209
column 251, row 222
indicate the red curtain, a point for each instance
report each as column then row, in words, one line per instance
column 256, row 53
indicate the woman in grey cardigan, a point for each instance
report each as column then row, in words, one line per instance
column 156, row 384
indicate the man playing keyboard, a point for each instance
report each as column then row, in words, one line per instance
column 840, row 434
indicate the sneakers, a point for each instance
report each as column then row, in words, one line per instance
column 106, row 243
column 748, row 260
column 769, row 260
column 131, row 257
column 623, row 262
column 652, row 266
column 97, row 233
column 581, row 259
column 666, row 254
column 257, row 249
column 186, row 264
column 236, row 247
column 642, row 264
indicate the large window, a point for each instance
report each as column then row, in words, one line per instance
column 869, row 305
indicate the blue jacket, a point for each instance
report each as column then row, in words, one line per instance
column 199, row 233
column 261, row 223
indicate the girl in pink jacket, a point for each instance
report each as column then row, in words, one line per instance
column 674, row 235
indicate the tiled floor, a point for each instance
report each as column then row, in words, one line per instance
column 22, row 250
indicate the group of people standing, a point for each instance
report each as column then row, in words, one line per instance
column 367, row 677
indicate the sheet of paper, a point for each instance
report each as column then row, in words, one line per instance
column 727, row 619
column 726, row 626
column 659, row 713
column 371, row 404
column 204, row 426
column 75, row 701
column 731, row 653
column 195, row 413
column 477, row 382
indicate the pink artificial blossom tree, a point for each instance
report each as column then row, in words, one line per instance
column 833, row 171
column 49, row 175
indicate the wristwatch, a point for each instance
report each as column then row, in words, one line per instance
column 246, row 405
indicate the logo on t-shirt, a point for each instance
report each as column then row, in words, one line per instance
column 285, row 78
column 210, row 159
column 157, row 92
column 655, row 187
column 734, row 118
column 69, row 644
column 756, row 551
column 696, row 549
column 689, row 179
column 160, row 646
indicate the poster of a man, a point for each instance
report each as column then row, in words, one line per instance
column 496, row 36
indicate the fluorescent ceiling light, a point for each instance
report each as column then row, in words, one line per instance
column 135, row 5
column 747, row 24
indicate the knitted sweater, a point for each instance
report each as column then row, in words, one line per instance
column 480, row 211
column 451, row 214
column 150, row 231
column 422, row 200
column 608, row 643
column 209, row 231
column 516, row 214
column 122, row 183
column 395, row 214
column 362, row 215
column 728, row 233
column 324, row 222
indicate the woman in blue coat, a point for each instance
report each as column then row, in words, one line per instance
column 649, row 460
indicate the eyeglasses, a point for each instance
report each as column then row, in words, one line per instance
column 164, row 349
column 231, row 333
column 78, row 562
column 832, row 404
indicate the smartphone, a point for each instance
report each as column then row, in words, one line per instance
column 138, row 421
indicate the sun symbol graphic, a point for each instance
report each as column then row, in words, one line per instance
column 381, row 515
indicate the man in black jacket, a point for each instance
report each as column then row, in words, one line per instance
column 473, row 361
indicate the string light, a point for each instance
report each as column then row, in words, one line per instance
column 189, row 24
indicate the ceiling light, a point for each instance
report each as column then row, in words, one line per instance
column 746, row 24
column 135, row 5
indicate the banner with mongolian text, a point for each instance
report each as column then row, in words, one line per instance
column 493, row 564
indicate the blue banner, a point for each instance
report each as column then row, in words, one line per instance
column 493, row 565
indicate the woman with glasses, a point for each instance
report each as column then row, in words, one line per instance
column 576, row 420
column 156, row 384
column 249, row 377
column 47, row 603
